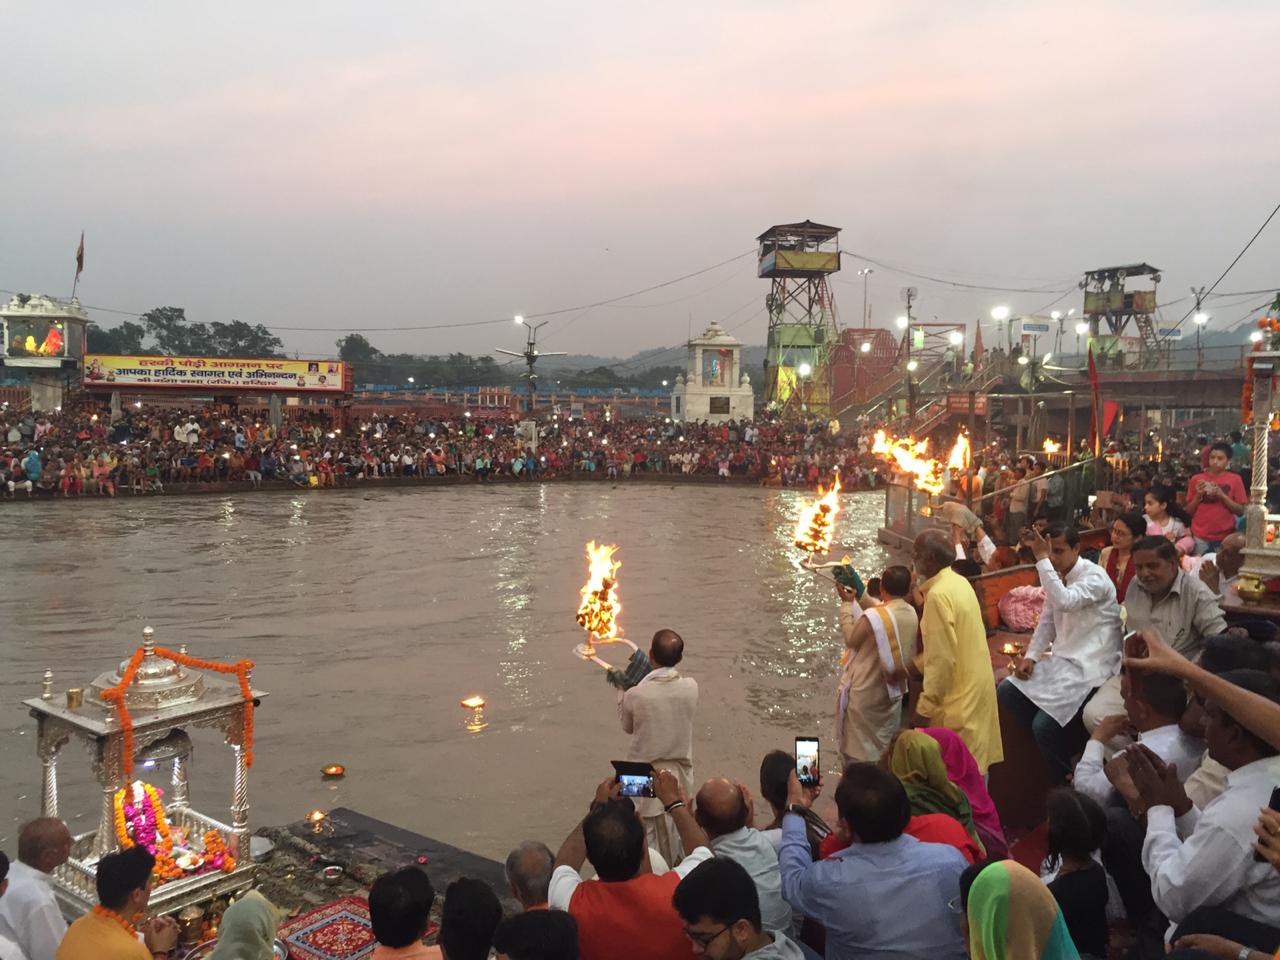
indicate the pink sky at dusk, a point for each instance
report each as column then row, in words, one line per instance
column 323, row 165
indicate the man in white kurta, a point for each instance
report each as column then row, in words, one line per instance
column 658, row 713
column 879, row 643
column 1075, row 648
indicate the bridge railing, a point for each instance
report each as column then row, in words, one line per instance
column 1182, row 358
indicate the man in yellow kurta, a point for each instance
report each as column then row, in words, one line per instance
column 107, row 932
column 959, row 687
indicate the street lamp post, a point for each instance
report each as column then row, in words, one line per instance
column 1081, row 329
column 864, row 273
column 1001, row 316
column 1201, row 318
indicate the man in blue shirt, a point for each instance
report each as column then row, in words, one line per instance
column 888, row 895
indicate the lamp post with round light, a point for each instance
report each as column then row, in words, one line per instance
column 1001, row 316
column 804, row 370
column 1082, row 328
column 864, row 273
column 1201, row 318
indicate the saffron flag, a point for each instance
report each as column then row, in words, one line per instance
column 80, row 256
column 977, row 345
column 1095, row 439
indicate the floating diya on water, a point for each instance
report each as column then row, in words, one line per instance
column 333, row 771
column 474, row 702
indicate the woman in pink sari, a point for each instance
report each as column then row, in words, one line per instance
column 962, row 770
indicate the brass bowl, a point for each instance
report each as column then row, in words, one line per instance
column 1250, row 588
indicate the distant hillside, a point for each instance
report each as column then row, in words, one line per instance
column 752, row 358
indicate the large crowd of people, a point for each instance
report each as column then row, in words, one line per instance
column 148, row 450
column 1157, row 723
column 1161, row 820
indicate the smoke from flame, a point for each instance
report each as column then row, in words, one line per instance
column 598, row 612
column 817, row 522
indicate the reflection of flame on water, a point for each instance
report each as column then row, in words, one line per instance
column 475, row 722
column 817, row 521
column 598, row 612
column 911, row 456
column 1051, row 445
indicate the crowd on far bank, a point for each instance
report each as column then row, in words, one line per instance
column 147, row 450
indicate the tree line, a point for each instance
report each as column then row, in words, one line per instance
column 166, row 331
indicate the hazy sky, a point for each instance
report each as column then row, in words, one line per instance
column 353, row 166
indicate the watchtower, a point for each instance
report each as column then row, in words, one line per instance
column 1106, row 300
column 797, row 258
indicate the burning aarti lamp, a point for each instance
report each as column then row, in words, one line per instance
column 333, row 771
column 817, row 523
column 319, row 821
column 598, row 612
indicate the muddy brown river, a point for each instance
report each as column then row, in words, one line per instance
column 371, row 613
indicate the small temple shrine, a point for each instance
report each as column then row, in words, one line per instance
column 133, row 722
column 714, row 387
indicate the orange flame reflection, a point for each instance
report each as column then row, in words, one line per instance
column 598, row 613
column 911, row 456
column 817, row 523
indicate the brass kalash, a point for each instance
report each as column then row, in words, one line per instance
column 164, row 699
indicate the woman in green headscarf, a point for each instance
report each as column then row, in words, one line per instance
column 1011, row 915
column 916, row 760
column 248, row 929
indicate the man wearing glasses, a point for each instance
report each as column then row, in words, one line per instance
column 720, row 907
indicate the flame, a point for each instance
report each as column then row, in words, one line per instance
column 598, row 613
column 910, row 455
column 475, row 702
column 1051, row 446
column 960, row 453
column 818, row 519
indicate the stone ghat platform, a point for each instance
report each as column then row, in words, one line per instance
column 365, row 848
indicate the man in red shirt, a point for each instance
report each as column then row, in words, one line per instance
column 1214, row 500
column 626, row 912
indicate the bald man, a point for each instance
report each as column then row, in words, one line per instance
column 658, row 714
column 724, row 810
column 1219, row 571
column 959, row 685
column 29, row 914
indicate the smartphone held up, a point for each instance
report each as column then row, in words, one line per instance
column 808, row 772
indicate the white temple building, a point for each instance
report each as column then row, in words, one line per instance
column 714, row 387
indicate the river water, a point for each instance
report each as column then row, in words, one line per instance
column 371, row 613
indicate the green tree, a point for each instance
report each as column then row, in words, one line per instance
column 125, row 339
column 354, row 348
column 175, row 335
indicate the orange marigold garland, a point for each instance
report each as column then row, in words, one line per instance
column 116, row 696
column 216, row 854
column 114, row 917
column 241, row 669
